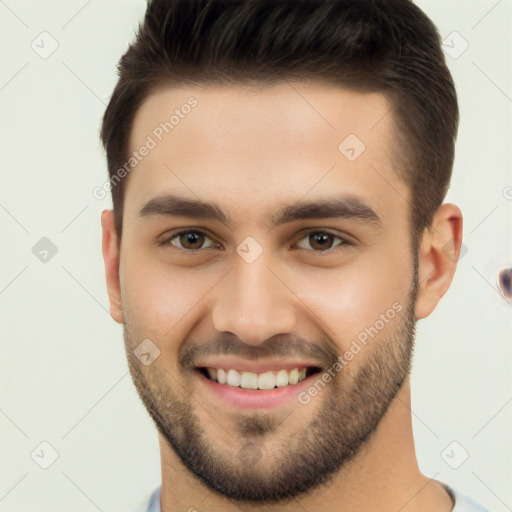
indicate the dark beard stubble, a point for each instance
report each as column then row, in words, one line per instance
column 350, row 411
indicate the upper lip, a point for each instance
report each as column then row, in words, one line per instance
column 245, row 365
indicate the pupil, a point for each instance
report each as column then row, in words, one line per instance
column 190, row 238
column 321, row 239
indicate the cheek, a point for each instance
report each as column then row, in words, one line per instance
column 158, row 299
column 350, row 300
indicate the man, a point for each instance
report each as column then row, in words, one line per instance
column 278, row 170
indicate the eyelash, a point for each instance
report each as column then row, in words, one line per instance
column 344, row 241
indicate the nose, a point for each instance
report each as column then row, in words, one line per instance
column 254, row 304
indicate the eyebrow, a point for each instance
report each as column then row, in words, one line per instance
column 347, row 207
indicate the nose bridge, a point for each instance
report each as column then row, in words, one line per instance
column 253, row 303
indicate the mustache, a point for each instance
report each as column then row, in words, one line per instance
column 322, row 354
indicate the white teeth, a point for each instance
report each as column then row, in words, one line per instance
column 267, row 380
column 221, row 376
column 251, row 380
column 282, row 378
column 248, row 380
column 233, row 378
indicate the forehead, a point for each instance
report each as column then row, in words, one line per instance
column 259, row 148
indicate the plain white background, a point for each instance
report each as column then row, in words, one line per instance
column 64, row 376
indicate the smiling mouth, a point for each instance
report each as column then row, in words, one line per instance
column 261, row 381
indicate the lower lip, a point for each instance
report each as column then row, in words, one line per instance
column 255, row 398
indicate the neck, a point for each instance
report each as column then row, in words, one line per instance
column 383, row 476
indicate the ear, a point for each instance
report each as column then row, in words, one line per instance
column 110, row 247
column 437, row 258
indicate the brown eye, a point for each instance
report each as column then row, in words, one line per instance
column 191, row 240
column 188, row 240
column 322, row 241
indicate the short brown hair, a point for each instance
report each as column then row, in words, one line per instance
column 387, row 46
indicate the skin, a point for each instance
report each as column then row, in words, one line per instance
column 252, row 152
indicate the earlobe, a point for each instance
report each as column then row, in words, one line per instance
column 110, row 249
column 437, row 258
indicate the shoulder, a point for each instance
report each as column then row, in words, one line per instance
column 153, row 503
column 464, row 503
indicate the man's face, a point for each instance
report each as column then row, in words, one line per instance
column 275, row 288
